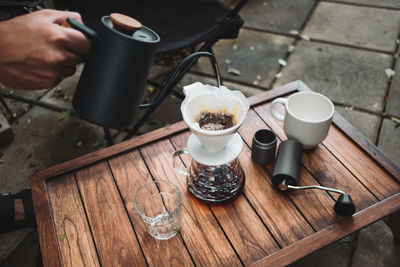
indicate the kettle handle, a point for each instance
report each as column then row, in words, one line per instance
column 174, row 163
column 89, row 33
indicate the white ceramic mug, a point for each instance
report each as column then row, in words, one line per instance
column 307, row 117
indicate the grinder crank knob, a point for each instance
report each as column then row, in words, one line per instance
column 344, row 205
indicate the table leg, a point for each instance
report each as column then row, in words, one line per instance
column 393, row 221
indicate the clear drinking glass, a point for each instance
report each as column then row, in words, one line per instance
column 159, row 205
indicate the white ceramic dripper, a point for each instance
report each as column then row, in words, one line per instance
column 200, row 97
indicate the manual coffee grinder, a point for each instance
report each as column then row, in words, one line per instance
column 214, row 175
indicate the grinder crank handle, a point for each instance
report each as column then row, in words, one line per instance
column 344, row 205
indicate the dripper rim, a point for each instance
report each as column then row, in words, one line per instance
column 230, row 152
column 214, row 132
column 192, row 93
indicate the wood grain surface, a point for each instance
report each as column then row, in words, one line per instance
column 364, row 144
column 247, row 233
column 363, row 167
column 112, row 232
column 332, row 233
column 44, row 222
column 72, row 229
column 200, row 231
column 126, row 169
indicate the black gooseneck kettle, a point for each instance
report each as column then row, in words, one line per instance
column 113, row 79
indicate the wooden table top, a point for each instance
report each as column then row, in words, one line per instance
column 86, row 217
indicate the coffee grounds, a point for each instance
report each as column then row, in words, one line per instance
column 214, row 121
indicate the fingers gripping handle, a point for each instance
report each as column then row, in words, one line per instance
column 177, row 168
column 273, row 108
column 89, row 33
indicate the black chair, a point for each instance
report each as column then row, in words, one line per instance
column 13, row 8
column 179, row 23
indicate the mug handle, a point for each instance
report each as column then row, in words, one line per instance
column 174, row 163
column 274, row 111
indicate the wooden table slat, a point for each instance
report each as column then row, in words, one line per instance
column 240, row 222
column 364, row 144
column 75, row 239
column 126, row 168
column 282, row 218
column 365, row 168
column 45, row 226
column 332, row 233
column 112, row 232
column 200, row 231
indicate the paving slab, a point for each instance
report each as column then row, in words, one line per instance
column 337, row 254
column 40, row 141
column 376, row 247
column 29, row 94
column 281, row 16
column 10, row 241
column 27, row 254
column 252, row 58
column 389, row 140
column 13, row 109
column 17, row 108
column 349, row 76
column 378, row 3
column 61, row 95
column 367, row 124
column 393, row 102
column 360, row 26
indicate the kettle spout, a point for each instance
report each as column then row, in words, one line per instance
column 89, row 33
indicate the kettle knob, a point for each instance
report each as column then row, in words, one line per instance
column 124, row 24
column 344, row 205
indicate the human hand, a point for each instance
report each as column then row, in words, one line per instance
column 36, row 52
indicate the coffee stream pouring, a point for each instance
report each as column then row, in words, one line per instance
column 286, row 171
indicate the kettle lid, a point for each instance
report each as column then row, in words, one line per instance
column 142, row 34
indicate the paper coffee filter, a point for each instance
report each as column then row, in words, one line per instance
column 200, row 97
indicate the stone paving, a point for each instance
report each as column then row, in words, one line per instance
column 344, row 49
